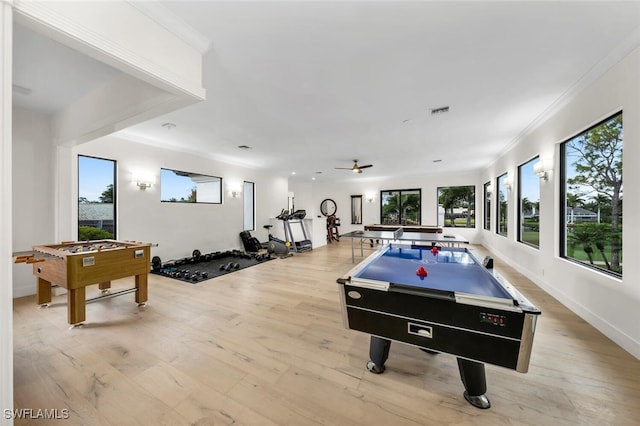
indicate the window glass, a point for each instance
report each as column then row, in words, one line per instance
column 186, row 187
column 502, row 204
column 249, row 207
column 487, row 205
column 591, row 175
column 400, row 207
column 458, row 203
column 529, row 202
column 96, row 198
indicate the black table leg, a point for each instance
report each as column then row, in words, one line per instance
column 378, row 354
column 475, row 382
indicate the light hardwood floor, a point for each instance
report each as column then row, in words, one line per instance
column 266, row 346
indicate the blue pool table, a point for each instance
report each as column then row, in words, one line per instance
column 458, row 306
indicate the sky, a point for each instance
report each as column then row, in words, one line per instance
column 94, row 175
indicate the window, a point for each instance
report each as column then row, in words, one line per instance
column 458, row 203
column 249, row 206
column 503, row 202
column 400, row 207
column 186, row 187
column 96, row 198
column 487, row 205
column 529, row 201
column 591, row 204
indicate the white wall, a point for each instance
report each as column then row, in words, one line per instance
column 161, row 72
column 609, row 304
column 6, row 224
column 342, row 191
column 33, row 191
column 177, row 228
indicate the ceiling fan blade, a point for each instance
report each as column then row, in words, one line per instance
column 344, row 168
column 365, row 167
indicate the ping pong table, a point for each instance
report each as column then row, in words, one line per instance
column 414, row 238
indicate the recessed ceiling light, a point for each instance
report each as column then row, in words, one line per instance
column 168, row 126
column 313, row 178
column 293, row 173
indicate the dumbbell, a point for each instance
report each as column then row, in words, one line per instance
column 156, row 263
column 196, row 255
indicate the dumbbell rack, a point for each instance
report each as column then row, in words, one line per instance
column 299, row 245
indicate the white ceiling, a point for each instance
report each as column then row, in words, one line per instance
column 309, row 86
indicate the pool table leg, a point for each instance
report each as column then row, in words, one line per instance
column 378, row 354
column 475, row 383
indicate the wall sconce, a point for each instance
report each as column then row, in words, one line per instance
column 143, row 181
column 235, row 189
column 370, row 197
column 508, row 183
column 542, row 169
column 490, row 188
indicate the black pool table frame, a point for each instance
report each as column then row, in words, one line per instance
column 476, row 329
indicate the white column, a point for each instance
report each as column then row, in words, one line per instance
column 6, row 281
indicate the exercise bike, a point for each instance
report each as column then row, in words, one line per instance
column 276, row 245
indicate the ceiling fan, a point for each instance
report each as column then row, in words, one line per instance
column 356, row 168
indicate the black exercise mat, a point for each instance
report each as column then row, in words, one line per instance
column 194, row 271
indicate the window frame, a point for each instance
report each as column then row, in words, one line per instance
column 219, row 191
column 486, row 223
column 245, row 200
column 400, row 191
column 504, row 177
column 520, row 230
column 114, row 196
column 472, row 207
column 562, row 220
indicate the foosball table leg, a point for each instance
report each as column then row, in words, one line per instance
column 43, row 293
column 104, row 287
column 141, row 289
column 76, row 305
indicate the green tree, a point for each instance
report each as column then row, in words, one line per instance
column 598, row 165
column 192, row 196
column 107, row 194
column 457, row 197
column 410, row 207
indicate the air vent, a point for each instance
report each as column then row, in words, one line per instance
column 440, row 110
column 244, row 147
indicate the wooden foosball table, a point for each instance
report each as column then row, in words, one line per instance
column 76, row 265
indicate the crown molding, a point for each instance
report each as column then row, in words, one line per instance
column 628, row 45
column 167, row 19
column 40, row 16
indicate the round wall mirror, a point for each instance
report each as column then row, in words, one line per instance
column 328, row 207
